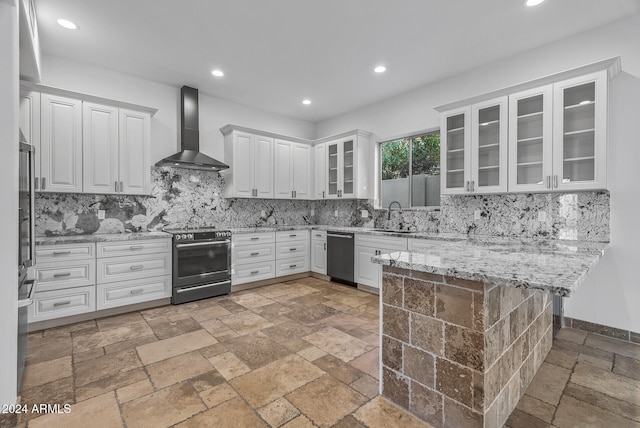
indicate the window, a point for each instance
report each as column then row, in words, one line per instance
column 410, row 171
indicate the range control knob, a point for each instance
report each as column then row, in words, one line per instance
column 177, row 237
column 190, row 236
column 184, row 236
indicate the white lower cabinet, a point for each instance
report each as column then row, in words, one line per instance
column 69, row 274
column 292, row 252
column 121, row 293
column 368, row 246
column 253, row 257
column 130, row 272
column 62, row 303
column 319, row 251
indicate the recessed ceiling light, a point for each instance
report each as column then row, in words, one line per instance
column 217, row 73
column 531, row 3
column 306, row 101
column 67, row 24
column 380, row 69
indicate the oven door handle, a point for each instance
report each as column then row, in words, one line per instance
column 203, row 244
column 197, row 287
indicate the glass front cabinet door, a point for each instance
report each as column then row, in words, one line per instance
column 530, row 144
column 455, row 140
column 489, row 146
column 580, row 133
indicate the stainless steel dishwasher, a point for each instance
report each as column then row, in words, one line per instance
column 340, row 256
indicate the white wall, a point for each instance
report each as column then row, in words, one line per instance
column 9, row 197
column 611, row 293
column 165, row 125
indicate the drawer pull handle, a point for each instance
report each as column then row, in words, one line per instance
column 255, row 272
column 255, row 238
column 292, row 266
column 136, row 247
column 59, row 275
column 137, row 267
column 255, row 254
column 138, row 291
column 318, row 235
column 66, row 302
column 292, row 249
column 59, row 253
column 293, row 235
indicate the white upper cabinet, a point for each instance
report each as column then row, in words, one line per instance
column 302, row 186
column 61, row 144
column 116, row 144
column 530, row 140
column 319, row 171
column 580, row 133
column 250, row 158
column 100, row 155
column 556, row 138
column 30, row 126
column 474, row 148
column 489, row 146
column 292, row 173
column 134, row 149
column 455, row 157
column 346, row 168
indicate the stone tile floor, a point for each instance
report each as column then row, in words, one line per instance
column 302, row 353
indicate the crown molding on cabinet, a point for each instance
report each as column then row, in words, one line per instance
column 85, row 97
column 612, row 65
column 227, row 129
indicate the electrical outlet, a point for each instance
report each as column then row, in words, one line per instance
column 476, row 214
column 365, row 214
column 102, row 214
column 263, row 213
column 313, row 212
column 542, row 216
column 335, row 213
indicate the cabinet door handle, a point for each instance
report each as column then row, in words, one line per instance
column 115, row 186
column 555, row 181
column 60, row 275
column 292, row 194
column 59, row 253
column 43, row 183
column 295, row 194
column 466, row 186
column 255, row 254
column 36, row 183
column 138, row 291
column 137, row 267
column 323, row 193
column 548, row 182
column 121, row 187
column 473, row 185
column 66, row 302
column 255, row 272
column 325, row 246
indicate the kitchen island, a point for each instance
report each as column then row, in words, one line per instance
column 466, row 323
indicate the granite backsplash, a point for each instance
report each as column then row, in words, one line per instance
column 195, row 198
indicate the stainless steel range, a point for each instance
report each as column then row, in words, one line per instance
column 201, row 263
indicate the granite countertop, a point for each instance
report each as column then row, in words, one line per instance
column 549, row 265
column 106, row 237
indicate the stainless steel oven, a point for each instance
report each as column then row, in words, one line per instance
column 201, row 264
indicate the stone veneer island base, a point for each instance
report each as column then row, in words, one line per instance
column 460, row 353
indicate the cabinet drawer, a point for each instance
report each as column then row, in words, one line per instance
column 130, row 292
column 292, row 249
column 292, row 265
column 244, row 254
column 389, row 243
column 135, row 247
column 253, row 238
column 319, row 235
column 56, row 276
column 252, row 272
column 62, row 303
column 124, row 268
column 52, row 253
column 292, row 235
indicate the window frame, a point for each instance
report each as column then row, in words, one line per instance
column 435, row 130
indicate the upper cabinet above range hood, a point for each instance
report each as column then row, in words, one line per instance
column 190, row 155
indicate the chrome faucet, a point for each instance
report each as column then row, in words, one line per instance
column 393, row 202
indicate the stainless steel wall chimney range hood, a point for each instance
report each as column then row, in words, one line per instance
column 190, row 155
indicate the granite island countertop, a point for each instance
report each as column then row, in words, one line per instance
column 549, row 265
column 104, row 237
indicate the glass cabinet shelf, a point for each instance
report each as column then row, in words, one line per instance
column 530, row 115
column 529, row 163
column 456, row 170
column 489, row 167
column 581, row 131
column 455, row 151
column 488, row 146
column 451, row 131
column 532, row 140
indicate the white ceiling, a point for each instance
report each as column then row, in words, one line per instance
column 277, row 52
